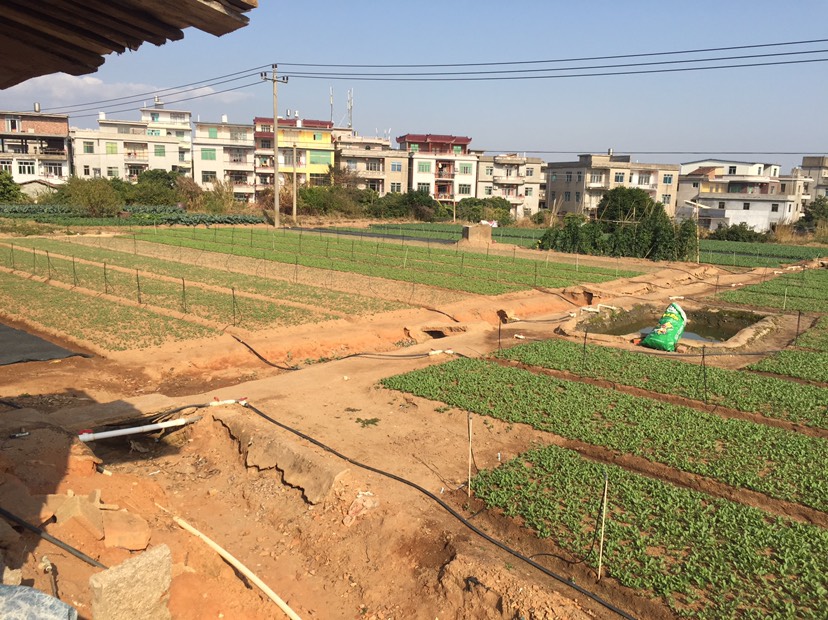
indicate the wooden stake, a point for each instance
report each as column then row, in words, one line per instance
column 603, row 523
column 470, row 453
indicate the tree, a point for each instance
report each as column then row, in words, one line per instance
column 623, row 204
column 156, row 187
column 9, row 190
column 220, row 199
column 92, row 197
column 817, row 211
column 190, row 193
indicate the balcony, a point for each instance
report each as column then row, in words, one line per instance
column 602, row 184
column 444, row 196
column 515, row 200
column 371, row 174
column 445, row 174
column 503, row 179
column 136, row 156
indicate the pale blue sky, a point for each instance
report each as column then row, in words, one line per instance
column 751, row 109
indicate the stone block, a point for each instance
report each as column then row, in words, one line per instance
column 136, row 589
column 125, row 530
column 87, row 515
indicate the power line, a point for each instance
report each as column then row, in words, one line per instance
column 160, row 91
column 588, row 58
column 549, row 77
column 615, row 66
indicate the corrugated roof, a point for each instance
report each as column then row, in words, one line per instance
column 74, row 36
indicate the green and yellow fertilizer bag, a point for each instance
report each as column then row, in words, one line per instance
column 665, row 337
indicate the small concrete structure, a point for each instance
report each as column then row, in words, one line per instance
column 136, row 589
column 476, row 234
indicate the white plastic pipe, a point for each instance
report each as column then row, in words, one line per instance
column 137, row 429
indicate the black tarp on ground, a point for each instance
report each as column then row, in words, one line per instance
column 18, row 346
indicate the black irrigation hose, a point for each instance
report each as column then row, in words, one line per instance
column 257, row 354
column 447, row 508
column 50, row 538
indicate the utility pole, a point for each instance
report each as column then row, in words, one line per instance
column 275, row 80
column 294, row 182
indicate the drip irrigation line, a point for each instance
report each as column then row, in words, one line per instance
column 257, row 354
column 11, row 404
column 447, row 508
column 48, row 537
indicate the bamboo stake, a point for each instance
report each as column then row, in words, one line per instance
column 240, row 567
column 470, row 453
column 603, row 523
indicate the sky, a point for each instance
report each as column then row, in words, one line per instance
column 771, row 109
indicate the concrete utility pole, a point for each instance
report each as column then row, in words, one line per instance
column 294, row 182
column 275, row 80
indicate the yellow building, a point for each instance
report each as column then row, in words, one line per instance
column 306, row 151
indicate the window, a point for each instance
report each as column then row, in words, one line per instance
column 96, row 173
column 238, row 136
column 553, row 177
column 321, row 157
column 529, row 191
column 178, row 117
column 567, row 196
column 52, row 169
column 731, row 170
column 464, row 189
column 457, row 150
column 266, row 144
column 208, row 154
column 208, row 176
column 317, row 136
column 238, row 156
column 423, row 166
column 489, row 171
column 86, row 171
column 552, row 196
column 88, row 147
column 396, row 188
column 374, row 165
column 666, row 198
column 153, row 132
column 775, row 208
column 578, row 197
column 111, row 148
column 12, row 124
column 465, row 168
column 396, row 166
column 782, row 187
column 25, row 167
column 619, row 177
column 5, row 165
column 695, row 183
column 112, row 172
column 668, row 179
column 721, row 205
column 596, row 177
column 414, row 148
column 579, row 177
column 569, row 177
column 154, row 116
column 530, row 172
column 643, row 179
column 265, row 127
column 487, row 190
column 179, row 133
column 423, row 187
column 789, row 208
column 160, row 150
column 745, row 206
column 759, row 170
column 351, row 165
column 212, row 132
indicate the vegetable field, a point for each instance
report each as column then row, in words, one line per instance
column 451, row 269
column 806, row 290
column 808, row 361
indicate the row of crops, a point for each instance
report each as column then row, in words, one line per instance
column 452, row 269
column 725, row 253
column 704, row 557
column 134, row 215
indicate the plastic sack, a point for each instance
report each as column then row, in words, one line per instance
column 665, row 337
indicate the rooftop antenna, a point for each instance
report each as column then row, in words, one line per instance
column 331, row 103
column 350, row 108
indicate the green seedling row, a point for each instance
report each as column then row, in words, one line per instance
column 751, row 393
column 103, row 323
column 808, row 365
column 706, row 558
column 356, row 305
column 779, row 463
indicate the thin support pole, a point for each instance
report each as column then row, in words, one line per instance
column 603, row 525
column 798, row 321
column 48, row 266
column 584, row 354
column 704, row 370
column 106, row 281
column 468, row 488
column 233, row 290
column 74, row 271
column 12, row 255
column 138, row 285
column 183, row 297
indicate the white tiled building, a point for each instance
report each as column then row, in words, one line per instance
column 441, row 166
column 224, row 151
column 513, row 177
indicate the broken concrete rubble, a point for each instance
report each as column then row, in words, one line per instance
column 136, row 589
column 125, row 530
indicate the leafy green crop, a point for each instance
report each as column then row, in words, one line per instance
column 706, row 558
column 773, row 461
column 767, row 396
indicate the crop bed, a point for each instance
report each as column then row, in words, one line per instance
column 451, row 269
column 706, row 558
column 779, row 463
column 278, row 290
column 743, row 391
column 806, row 291
column 809, row 361
column 104, row 323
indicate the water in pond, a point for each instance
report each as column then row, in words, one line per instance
column 702, row 325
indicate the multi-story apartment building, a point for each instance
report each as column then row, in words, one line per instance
column 35, row 146
column 121, row 149
column 172, row 123
column 817, row 169
column 306, row 151
column 374, row 163
column 224, row 152
column 513, row 177
column 441, row 166
column 578, row 186
column 736, row 192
